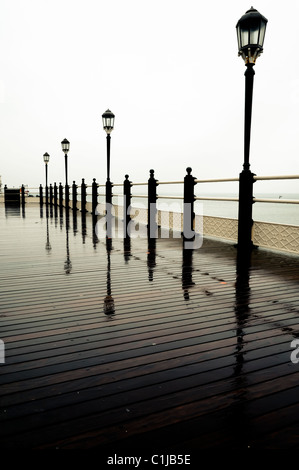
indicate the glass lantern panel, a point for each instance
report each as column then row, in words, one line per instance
column 239, row 38
column 262, row 33
column 244, row 37
column 254, row 34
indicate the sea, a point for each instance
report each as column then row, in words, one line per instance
column 281, row 213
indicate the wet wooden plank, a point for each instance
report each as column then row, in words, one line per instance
column 177, row 364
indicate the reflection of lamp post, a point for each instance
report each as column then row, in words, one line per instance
column 251, row 33
column 67, row 263
column 109, row 306
column 48, row 244
column 65, row 148
column 46, row 160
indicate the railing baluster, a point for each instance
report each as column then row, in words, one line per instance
column 23, row 195
column 152, row 225
column 55, row 195
column 127, row 204
column 41, row 197
column 189, row 215
column 51, row 195
column 74, row 196
column 94, row 191
column 60, row 195
column 83, row 196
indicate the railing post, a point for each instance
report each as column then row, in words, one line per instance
column 23, row 195
column 74, row 195
column 83, row 196
column 60, row 195
column 94, row 191
column 152, row 226
column 51, row 195
column 55, row 194
column 127, row 204
column 41, row 196
column 189, row 198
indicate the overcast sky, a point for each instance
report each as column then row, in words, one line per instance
column 170, row 72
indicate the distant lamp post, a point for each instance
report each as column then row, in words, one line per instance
column 65, row 148
column 251, row 29
column 108, row 125
column 46, row 157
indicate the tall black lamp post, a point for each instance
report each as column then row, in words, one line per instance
column 46, row 160
column 108, row 124
column 251, row 29
column 65, row 148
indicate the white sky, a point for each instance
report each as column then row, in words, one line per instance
column 170, row 72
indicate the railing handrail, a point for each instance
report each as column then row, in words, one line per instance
column 278, row 177
column 276, row 201
column 211, row 198
column 199, row 198
column 213, row 180
column 216, row 180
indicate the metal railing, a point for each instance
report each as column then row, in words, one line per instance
column 85, row 197
column 89, row 193
column 35, row 191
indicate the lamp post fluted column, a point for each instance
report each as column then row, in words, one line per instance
column 249, row 77
column 246, row 180
column 65, row 161
column 108, row 182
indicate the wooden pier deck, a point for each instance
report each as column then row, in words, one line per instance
column 189, row 359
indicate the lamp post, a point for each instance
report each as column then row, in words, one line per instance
column 65, row 148
column 251, row 29
column 46, row 160
column 108, row 125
